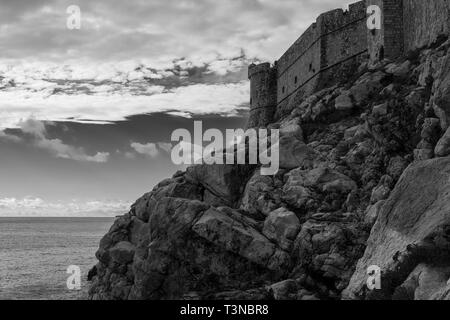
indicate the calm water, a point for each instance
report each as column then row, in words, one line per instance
column 35, row 254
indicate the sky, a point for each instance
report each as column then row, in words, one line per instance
column 86, row 115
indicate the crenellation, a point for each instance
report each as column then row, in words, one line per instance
column 333, row 47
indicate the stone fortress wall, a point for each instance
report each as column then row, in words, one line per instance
column 424, row 22
column 333, row 47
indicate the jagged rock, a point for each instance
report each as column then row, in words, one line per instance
column 191, row 242
column 441, row 97
column 177, row 187
column 443, row 146
column 424, row 283
column 351, row 132
column 344, row 102
column 399, row 70
column 329, row 250
column 373, row 212
column 380, row 192
column 223, row 183
column 423, row 154
column 431, row 130
column 261, row 195
column 292, row 128
column 294, row 153
column 416, row 98
column 122, row 253
column 380, row 110
column 282, row 226
column 412, row 228
column 285, row 290
column 367, row 86
column 294, row 193
column 396, row 167
column 318, row 110
column 220, row 229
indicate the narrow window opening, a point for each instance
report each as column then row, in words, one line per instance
column 283, row 90
column 296, row 80
column 381, row 53
column 310, row 67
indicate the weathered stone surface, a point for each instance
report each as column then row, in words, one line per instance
column 217, row 227
column 373, row 212
column 292, row 128
column 122, row 253
column 344, row 102
column 261, row 195
column 295, row 154
column 441, row 97
column 380, row 110
column 423, row 154
column 367, row 86
column 224, row 183
column 443, row 146
column 399, row 70
column 282, row 226
column 329, row 250
column 424, row 283
column 411, row 229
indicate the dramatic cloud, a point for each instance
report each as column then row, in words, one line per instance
column 180, row 57
column 108, row 102
column 160, row 30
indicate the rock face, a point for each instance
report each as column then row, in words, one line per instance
column 412, row 231
column 368, row 157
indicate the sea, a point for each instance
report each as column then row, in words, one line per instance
column 35, row 254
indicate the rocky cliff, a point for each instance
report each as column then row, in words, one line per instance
column 364, row 180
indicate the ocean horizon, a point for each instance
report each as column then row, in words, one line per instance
column 35, row 253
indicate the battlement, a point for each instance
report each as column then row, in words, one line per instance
column 253, row 69
column 335, row 19
column 333, row 47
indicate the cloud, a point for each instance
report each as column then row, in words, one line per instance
column 61, row 150
column 36, row 129
column 156, row 29
column 116, row 104
column 148, row 149
column 9, row 138
column 167, row 147
column 34, row 206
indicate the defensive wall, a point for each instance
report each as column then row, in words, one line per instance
column 334, row 46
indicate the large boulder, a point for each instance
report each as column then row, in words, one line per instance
column 412, row 228
column 329, row 250
column 443, row 146
column 261, row 195
column 123, row 252
column 240, row 238
column 223, row 184
column 367, row 86
column 282, row 226
column 294, row 153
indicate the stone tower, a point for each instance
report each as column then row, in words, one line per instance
column 263, row 94
column 387, row 42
